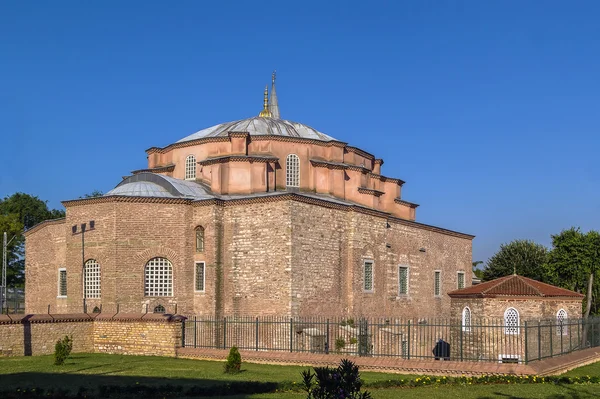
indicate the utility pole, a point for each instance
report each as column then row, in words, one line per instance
column 3, row 287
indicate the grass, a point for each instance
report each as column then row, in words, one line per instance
column 94, row 370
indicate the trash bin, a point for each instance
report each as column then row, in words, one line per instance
column 441, row 350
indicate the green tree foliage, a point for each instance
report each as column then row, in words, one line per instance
column 234, row 361
column 341, row 382
column 17, row 212
column 477, row 271
column 93, row 194
column 574, row 262
column 62, row 350
column 523, row 256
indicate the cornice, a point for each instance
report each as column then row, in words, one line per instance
column 239, row 158
column 238, row 134
column 125, row 198
column 360, row 152
column 162, row 150
column 43, row 224
column 158, row 169
column 402, row 202
column 382, row 178
column 370, row 191
column 320, row 163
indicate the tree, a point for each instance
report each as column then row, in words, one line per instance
column 574, row 262
column 524, row 257
column 18, row 212
column 93, row 194
column 478, row 272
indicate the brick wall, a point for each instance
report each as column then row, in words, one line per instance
column 282, row 257
column 132, row 334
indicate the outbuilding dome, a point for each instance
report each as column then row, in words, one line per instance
column 260, row 126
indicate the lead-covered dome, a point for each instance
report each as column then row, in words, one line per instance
column 259, row 126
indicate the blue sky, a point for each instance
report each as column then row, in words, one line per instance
column 488, row 110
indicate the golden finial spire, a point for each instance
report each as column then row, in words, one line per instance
column 273, row 76
column 265, row 113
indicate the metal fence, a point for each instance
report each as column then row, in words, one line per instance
column 440, row 339
column 15, row 301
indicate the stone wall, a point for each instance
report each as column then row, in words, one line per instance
column 132, row 334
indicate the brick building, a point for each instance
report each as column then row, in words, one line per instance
column 261, row 216
column 506, row 317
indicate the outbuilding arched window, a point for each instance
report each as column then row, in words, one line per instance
column 159, row 309
column 292, row 171
column 158, row 278
column 190, row 168
column 466, row 319
column 199, row 239
column 92, row 279
column 561, row 322
column 511, row 321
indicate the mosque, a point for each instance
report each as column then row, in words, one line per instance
column 260, row 216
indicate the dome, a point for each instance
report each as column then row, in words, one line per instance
column 259, row 126
column 148, row 184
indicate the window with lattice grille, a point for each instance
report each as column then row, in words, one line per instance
column 199, row 239
column 466, row 319
column 511, row 321
column 159, row 309
column 461, row 280
column 561, row 322
column 190, row 167
column 200, row 276
column 402, row 280
column 159, row 278
column 437, row 284
column 92, row 279
column 292, row 171
column 62, row 283
column 368, row 275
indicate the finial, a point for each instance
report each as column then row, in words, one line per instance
column 274, row 76
column 265, row 113
column 515, row 269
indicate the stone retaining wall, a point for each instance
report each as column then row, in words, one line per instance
column 131, row 334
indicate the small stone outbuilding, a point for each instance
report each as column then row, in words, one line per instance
column 515, row 318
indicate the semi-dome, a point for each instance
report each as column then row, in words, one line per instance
column 148, row 184
column 261, row 126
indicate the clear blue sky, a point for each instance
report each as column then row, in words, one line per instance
column 489, row 110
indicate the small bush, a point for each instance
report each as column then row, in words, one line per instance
column 341, row 382
column 234, row 361
column 62, row 350
column 353, row 341
column 340, row 344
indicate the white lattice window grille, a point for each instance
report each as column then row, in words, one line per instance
column 561, row 321
column 199, row 239
column 461, row 280
column 511, row 321
column 92, row 279
column 200, row 276
column 190, row 168
column 62, row 283
column 437, row 283
column 368, row 276
column 466, row 319
column 159, row 278
column 402, row 280
column 292, row 171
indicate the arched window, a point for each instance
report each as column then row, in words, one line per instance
column 561, row 321
column 190, row 167
column 199, row 239
column 292, row 171
column 511, row 321
column 158, row 278
column 466, row 319
column 92, row 279
column 159, row 309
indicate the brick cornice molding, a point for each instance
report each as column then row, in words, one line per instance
column 321, row 163
column 402, row 202
column 43, row 224
column 362, row 153
column 125, row 198
column 370, row 191
column 238, row 135
column 382, row 178
column 158, row 169
column 239, row 158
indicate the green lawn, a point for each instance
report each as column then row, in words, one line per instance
column 94, row 370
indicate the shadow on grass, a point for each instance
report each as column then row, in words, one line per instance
column 68, row 385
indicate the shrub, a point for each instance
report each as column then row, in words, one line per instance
column 340, row 344
column 234, row 361
column 341, row 382
column 62, row 350
column 353, row 341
